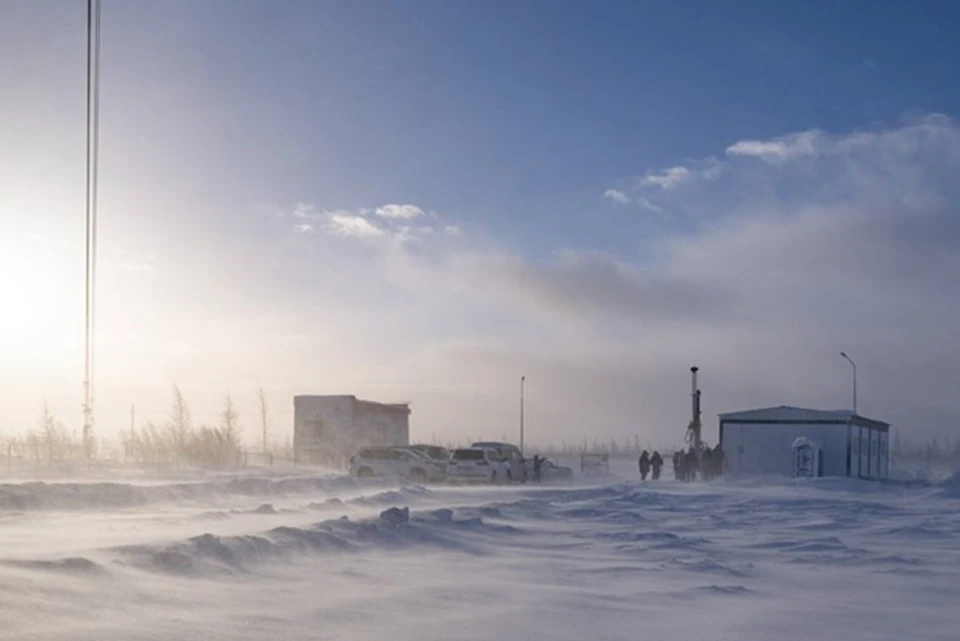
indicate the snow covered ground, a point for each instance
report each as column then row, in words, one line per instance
column 326, row 557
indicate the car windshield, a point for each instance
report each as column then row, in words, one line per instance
column 468, row 455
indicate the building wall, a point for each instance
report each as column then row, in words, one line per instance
column 766, row 448
column 322, row 428
column 869, row 452
column 376, row 424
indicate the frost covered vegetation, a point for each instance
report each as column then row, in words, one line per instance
column 941, row 453
column 175, row 442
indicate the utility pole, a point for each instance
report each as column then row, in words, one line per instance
column 523, row 379
column 850, row 360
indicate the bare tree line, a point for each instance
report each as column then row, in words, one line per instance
column 176, row 441
column 938, row 450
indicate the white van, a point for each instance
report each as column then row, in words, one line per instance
column 511, row 455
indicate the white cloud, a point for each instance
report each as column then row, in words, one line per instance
column 668, row 178
column 616, row 196
column 401, row 212
column 304, row 210
column 778, row 150
column 856, row 253
column 392, row 222
column 353, row 226
column 649, row 206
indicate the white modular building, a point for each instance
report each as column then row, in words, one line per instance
column 761, row 441
column 330, row 429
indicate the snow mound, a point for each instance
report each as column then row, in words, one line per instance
column 953, row 480
column 950, row 486
column 388, row 497
column 111, row 495
column 394, row 528
column 395, row 515
column 70, row 565
column 724, row 590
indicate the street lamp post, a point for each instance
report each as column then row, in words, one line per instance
column 850, row 360
column 522, row 381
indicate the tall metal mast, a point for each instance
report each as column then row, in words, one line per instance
column 93, row 142
column 695, row 428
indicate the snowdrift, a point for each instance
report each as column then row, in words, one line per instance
column 109, row 495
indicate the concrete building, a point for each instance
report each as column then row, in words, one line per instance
column 760, row 441
column 329, row 429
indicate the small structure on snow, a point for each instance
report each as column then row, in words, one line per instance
column 329, row 429
column 762, row 441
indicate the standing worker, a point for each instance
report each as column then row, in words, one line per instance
column 644, row 465
column 656, row 462
column 691, row 464
column 678, row 466
column 719, row 460
column 537, row 465
column 706, row 463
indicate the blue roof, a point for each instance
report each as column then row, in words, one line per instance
column 784, row 413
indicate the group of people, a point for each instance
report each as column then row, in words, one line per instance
column 687, row 466
column 650, row 464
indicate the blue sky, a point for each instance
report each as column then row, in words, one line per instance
column 251, row 150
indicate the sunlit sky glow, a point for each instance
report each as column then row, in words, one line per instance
column 423, row 201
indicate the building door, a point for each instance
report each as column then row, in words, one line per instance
column 733, row 442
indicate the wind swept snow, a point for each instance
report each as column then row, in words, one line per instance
column 334, row 558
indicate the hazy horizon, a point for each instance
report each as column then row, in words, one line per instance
column 424, row 201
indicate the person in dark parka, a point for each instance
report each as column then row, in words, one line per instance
column 706, row 463
column 719, row 460
column 691, row 464
column 678, row 472
column 656, row 462
column 644, row 465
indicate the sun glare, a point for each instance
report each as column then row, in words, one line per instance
column 38, row 301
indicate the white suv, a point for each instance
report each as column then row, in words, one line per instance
column 511, row 455
column 477, row 464
column 395, row 461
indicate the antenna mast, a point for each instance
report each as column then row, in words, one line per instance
column 93, row 144
column 695, row 428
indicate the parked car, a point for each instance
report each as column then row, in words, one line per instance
column 511, row 454
column 434, row 460
column 434, row 452
column 477, row 465
column 550, row 471
column 395, row 461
